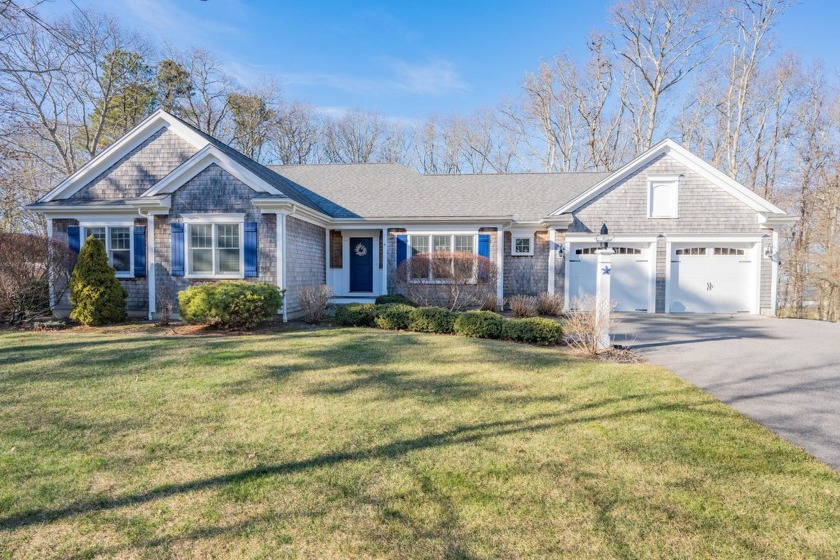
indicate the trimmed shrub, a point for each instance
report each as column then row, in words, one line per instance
column 355, row 314
column 432, row 320
column 394, row 298
column 95, row 292
column 230, row 305
column 315, row 302
column 523, row 306
column 480, row 324
column 534, row 330
column 392, row 316
column 550, row 304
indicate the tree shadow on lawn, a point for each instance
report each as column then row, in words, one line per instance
column 456, row 436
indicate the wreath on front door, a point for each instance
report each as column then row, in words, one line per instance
column 360, row 250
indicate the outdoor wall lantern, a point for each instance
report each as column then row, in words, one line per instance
column 604, row 237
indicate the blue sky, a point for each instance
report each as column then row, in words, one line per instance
column 406, row 59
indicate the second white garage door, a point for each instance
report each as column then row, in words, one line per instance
column 631, row 284
column 712, row 278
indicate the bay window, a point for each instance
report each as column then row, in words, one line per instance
column 118, row 246
column 214, row 250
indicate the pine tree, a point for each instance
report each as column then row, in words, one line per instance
column 95, row 292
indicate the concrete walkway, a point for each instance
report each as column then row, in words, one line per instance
column 784, row 373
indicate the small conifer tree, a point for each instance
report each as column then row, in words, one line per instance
column 95, row 292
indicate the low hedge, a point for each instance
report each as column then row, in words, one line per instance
column 534, row 330
column 480, row 324
column 230, row 305
column 432, row 320
column 394, row 298
column 392, row 316
column 475, row 324
column 355, row 314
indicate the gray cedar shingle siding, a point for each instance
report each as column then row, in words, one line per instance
column 704, row 208
column 213, row 190
column 527, row 275
column 139, row 170
column 305, row 259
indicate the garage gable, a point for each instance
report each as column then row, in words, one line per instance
column 703, row 198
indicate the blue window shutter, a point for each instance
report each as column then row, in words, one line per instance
column 139, row 251
column 402, row 248
column 250, row 249
column 177, row 268
column 484, row 245
column 74, row 238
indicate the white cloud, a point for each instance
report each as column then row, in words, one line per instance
column 436, row 78
column 167, row 19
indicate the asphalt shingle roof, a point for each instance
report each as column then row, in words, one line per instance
column 392, row 190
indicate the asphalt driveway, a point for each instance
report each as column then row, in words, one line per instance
column 784, row 373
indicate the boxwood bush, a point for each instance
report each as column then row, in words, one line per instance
column 355, row 314
column 230, row 305
column 432, row 320
column 480, row 324
column 534, row 330
column 392, row 316
column 394, row 298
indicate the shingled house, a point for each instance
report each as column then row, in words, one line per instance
column 175, row 206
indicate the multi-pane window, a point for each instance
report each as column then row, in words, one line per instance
column 691, row 251
column 419, row 244
column 522, row 245
column 728, row 251
column 215, row 249
column 440, row 248
column 117, row 242
column 120, row 248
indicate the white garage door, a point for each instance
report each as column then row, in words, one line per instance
column 706, row 278
column 631, row 284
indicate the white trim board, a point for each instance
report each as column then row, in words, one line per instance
column 158, row 120
column 206, row 157
column 688, row 159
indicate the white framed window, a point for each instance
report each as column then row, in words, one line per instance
column 119, row 245
column 663, row 197
column 214, row 250
column 440, row 248
column 521, row 244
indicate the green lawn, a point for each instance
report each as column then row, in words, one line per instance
column 336, row 443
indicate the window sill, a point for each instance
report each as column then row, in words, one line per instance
column 124, row 275
column 522, row 254
column 214, row 277
column 663, row 217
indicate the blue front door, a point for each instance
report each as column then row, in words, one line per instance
column 361, row 264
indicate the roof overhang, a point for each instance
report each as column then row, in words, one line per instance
column 775, row 220
column 505, row 221
column 562, row 221
column 121, row 148
column 289, row 207
column 129, row 207
column 688, row 159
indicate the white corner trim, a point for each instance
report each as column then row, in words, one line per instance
column 203, row 159
column 106, row 158
column 150, row 265
column 688, row 159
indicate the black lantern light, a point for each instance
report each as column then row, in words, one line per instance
column 604, row 237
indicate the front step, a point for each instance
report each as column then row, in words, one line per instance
column 339, row 300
